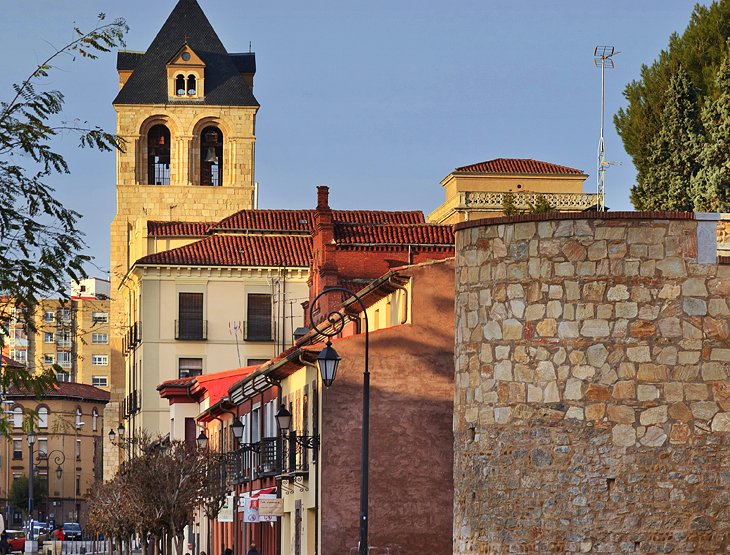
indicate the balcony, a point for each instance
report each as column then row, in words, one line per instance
column 258, row 331
column 191, row 330
column 563, row 202
column 254, row 460
column 132, row 338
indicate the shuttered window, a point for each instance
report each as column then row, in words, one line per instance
column 258, row 321
column 190, row 316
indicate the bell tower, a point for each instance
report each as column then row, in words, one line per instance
column 187, row 113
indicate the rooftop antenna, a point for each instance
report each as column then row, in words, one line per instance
column 602, row 57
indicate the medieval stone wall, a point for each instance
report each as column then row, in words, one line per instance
column 592, row 401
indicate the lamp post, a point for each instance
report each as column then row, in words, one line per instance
column 58, row 458
column 328, row 361
column 32, row 437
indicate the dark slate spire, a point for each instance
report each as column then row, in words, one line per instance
column 224, row 86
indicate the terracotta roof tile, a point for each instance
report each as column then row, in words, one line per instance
column 518, row 165
column 423, row 234
column 238, row 250
column 177, row 229
column 66, row 389
column 303, row 220
column 8, row 362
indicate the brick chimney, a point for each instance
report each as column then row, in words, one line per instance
column 323, row 270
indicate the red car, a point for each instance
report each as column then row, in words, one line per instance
column 16, row 539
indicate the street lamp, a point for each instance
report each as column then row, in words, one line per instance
column 328, row 361
column 283, row 418
column 32, row 437
column 237, row 429
column 58, row 458
column 202, row 440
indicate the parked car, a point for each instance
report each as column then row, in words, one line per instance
column 71, row 531
column 16, row 539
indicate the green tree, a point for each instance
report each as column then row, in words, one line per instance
column 508, row 204
column 711, row 184
column 699, row 51
column 39, row 240
column 18, row 497
column 674, row 152
column 541, row 206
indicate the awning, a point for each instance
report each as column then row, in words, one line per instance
column 263, row 491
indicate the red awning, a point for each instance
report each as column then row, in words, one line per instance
column 263, row 491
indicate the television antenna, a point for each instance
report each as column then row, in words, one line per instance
column 603, row 58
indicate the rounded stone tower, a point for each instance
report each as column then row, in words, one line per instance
column 592, row 401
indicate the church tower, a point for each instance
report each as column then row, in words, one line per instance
column 187, row 112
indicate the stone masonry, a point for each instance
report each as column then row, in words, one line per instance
column 592, row 401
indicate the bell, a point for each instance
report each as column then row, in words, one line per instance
column 210, row 157
column 161, row 140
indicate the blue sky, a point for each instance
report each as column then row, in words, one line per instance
column 380, row 100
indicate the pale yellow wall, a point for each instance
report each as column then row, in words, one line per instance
column 454, row 183
column 289, row 386
column 225, row 294
column 391, row 310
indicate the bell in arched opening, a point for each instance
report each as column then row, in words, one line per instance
column 211, row 153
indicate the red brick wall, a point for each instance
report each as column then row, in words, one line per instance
column 411, row 442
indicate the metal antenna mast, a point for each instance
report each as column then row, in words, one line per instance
column 602, row 57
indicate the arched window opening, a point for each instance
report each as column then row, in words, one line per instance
column 94, row 418
column 158, row 155
column 78, row 418
column 211, row 154
column 192, row 85
column 42, row 417
column 180, row 85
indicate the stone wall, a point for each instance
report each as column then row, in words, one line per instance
column 592, row 401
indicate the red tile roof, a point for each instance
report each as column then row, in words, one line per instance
column 68, row 390
column 424, row 234
column 303, row 220
column 8, row 362
column 238, row 250
column 178, row 229
column 518, row 165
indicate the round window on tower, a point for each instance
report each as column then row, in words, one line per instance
column 185, row 56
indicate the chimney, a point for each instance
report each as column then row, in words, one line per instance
column 323, row 195
column 323, row 270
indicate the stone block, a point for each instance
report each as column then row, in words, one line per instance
column 597, row 250
column 673, row 392
column 597, row 355
column 639, row 354
column 721, row 422
column 623, row 435
column 568, row 330
column 625, row 389
column 598, row 392
column 654, row 415
column 694, row 287
column 626, row 310
column 652, row 372
column 595, row 328
column 511, row 330
column 573, row 389
column 595, row 411
column 535, row 312
column 583, row 371
column 547, row 328
column 545, row 371
column 704, row 410
column 647, row 392
column 551, row 393
column 693, row 306
column 654, row 437
column 503, row 370
column 679, row 434
column 696, row 392
column 575, row 413
column 618, row 293
column 621, row 414
column 593, row 291
column 642, row 329
column 714, row 371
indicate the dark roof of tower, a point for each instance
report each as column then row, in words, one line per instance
column 224, row 85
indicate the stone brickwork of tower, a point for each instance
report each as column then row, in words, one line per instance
column 186, row 112
column 592, row 399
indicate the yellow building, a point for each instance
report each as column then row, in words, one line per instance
column 67, row 455
column 478, row 190
column 70, row 335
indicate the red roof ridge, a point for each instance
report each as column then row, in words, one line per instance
column 518, row 166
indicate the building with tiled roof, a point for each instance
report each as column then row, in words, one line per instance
column 68, row 456
column 486, row 189
column 187, row 111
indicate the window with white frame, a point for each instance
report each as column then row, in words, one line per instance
column 42, row 447
column 100, row 360
column 100, row 338
column 49, row 337
column 19, row 355
column 63, row 358
column 63, row 377
column 255, row 425
column 17, row 448
column 188, row 367
column 18, row 417
column 94, row 419
column 100, row 317
column 49, row 316
column 43, row 417
column 99, row 381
